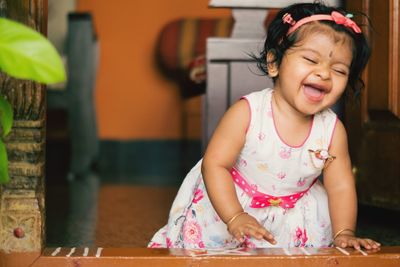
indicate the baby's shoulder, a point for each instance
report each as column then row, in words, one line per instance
column 259, row 93
column 324, row 124
column 257, row 97
column 326, row 115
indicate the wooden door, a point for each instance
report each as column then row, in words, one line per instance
column 373, row 121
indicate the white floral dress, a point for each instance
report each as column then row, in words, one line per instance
column 275, row 182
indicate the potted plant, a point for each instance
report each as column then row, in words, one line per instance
column 24, row 54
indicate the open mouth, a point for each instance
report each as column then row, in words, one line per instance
column 313, row 92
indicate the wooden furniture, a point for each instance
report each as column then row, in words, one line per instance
column 373, row 121
column 121, row 257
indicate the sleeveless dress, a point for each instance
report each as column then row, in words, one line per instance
column 276, row 183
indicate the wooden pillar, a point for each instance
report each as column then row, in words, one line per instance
column 22, row 199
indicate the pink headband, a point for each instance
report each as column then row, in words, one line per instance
column 335, row 16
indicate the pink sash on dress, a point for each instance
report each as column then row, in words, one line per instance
column 261, row 200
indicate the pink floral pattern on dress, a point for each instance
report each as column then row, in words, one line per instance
column 242, row 163
column 301, row 237
column 261, row 136
column 285, row 153
column 192, row 232
column 155, row 245
column 254, row 188
column 301, row 182
column 281, row 175
column 169, row 242
column 198, row 195
column 216, row 218
column 247, row 243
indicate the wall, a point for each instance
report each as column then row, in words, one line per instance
column 134, row 101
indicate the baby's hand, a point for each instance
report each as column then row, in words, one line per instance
column 356, row 242
column 247, row 225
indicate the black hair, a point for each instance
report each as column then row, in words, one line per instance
column 278, row 42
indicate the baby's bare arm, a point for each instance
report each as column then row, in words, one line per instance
column 340, row 186
column 222, row 151
column 221, row 154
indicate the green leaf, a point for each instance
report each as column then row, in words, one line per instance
column 6, row 116
column 26, row 54
column 4, row 178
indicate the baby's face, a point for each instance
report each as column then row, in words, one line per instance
column 314, row 72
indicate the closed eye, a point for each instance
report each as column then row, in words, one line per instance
column 310, row 60
column 341, row 72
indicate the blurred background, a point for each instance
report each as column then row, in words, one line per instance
column 147, row 109
column 139, row 109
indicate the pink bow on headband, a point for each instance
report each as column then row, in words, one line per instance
column 343, row 20
column 335, row 16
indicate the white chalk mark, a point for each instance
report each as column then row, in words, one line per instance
column 343, row 251
column 98, row 252
column 56, row 251
column 85, row 252
column 71, row 252
column 362, row 251
column 305, row 251
column 286, row 251
column 213, row 252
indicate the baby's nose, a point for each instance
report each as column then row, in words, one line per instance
column 323, row 73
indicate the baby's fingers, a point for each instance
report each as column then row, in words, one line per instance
column 369, row 244
column 239, row 235
column 354, row 242
column 260, row 232
column 350, row 242
column 357, row 243
column 267, row 235
column 344, row 242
